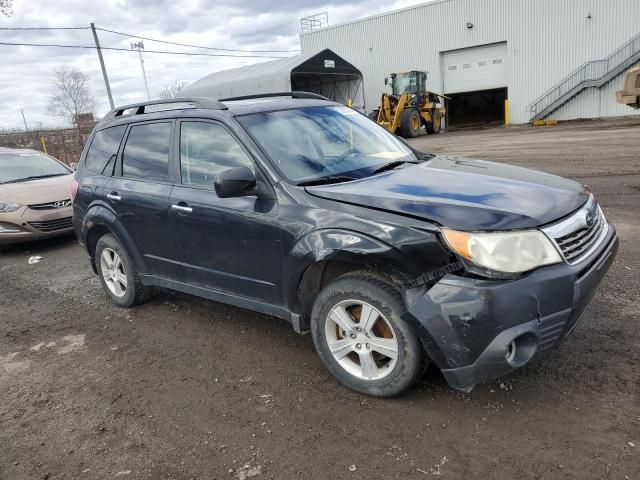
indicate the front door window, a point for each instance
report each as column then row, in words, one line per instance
column 207, row 149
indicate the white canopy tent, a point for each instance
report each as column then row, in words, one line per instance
column 323, row 72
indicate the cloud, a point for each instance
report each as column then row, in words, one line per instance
column 27, row 72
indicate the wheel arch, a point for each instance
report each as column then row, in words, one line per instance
column 91, row 241
column 324, row 255
column 100, row 220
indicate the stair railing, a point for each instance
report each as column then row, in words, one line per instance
column 592, row 71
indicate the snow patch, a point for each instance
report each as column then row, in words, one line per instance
column 9, row 365
column 72, row 343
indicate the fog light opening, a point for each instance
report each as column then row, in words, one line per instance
column 511, row 351
column 521, row 349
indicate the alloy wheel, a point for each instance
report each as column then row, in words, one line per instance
column 361, row 340
column 113, row 272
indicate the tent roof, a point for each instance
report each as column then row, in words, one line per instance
column 280, row 66
column 269, row 76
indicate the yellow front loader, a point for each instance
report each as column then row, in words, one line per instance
column 410, row 106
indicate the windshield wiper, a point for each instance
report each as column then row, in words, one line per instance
column 35, row 177
column 325, row 180
column 389, row 166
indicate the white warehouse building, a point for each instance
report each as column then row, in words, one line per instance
column 560, row 59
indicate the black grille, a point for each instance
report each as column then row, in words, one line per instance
column 53, row 225
column 578, row 242
column 51, row 205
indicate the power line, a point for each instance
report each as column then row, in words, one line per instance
column 194, row 46
column 147, row 51
column 130, row 35
column 45, row 28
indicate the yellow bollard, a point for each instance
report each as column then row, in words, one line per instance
column 44, row 144
column 506, row 112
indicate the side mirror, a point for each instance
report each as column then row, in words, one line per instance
column 235, row 182
column 73, row 166
column 386, row 80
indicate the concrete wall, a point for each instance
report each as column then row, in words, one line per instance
column 65, row 144
column 546, row 40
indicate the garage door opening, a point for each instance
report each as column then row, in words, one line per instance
column 476, row 108
column 476, row 79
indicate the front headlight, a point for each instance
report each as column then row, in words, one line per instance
column 9, row 207
column 504, row 252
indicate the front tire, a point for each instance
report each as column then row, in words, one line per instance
column 361, row 338
column 117, row 273
column 410, row 123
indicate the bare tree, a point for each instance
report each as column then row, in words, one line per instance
column 5, row 7
column 70, row 95
column 171, row 91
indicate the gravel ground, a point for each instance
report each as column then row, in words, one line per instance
column 185, row 388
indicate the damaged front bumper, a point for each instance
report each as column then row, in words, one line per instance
column 475, row 330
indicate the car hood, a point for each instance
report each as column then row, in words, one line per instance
column 34, row 192
column 464, row 194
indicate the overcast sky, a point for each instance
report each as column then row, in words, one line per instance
column 26, row 73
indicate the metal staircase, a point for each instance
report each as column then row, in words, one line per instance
column 590, row 74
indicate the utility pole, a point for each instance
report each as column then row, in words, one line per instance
column 140, row 46
column 104, row 70
column 26, row 129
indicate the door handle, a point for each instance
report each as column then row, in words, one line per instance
column 114, row 197
column 181, row 208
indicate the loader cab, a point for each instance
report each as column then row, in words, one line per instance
column 414, row 82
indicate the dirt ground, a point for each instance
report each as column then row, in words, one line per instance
column 184, row 388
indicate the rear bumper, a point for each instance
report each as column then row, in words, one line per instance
column 468, row 325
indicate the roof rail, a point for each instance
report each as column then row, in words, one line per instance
column 187, row 102
column 298, row 94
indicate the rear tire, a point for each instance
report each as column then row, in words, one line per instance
column 410, row 123
column 361, row 338
column 373, row 115
column 435, row 125
column 117, row 273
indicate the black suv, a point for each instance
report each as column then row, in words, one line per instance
column 298, row 207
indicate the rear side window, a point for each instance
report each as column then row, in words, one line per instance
column 103, row 150
column 146, row 153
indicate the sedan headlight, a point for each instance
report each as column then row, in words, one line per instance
column 9, row 207
column 504, row 252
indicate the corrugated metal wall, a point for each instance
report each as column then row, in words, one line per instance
column 546, row 40
column 595, row 103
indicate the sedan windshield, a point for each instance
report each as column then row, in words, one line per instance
column 21, row 167
column 327, row 142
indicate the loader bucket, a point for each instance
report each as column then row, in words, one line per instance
column 630, row 96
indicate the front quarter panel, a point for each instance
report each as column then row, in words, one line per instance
column 342, row 243
column 322, row 230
